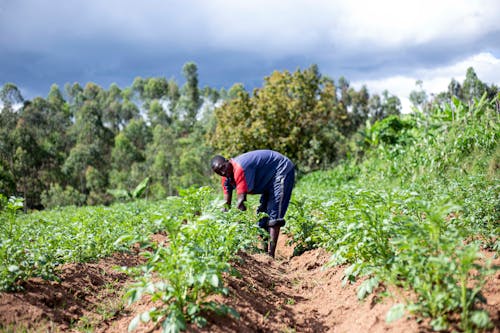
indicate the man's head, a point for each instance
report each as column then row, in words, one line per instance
column 221, row 166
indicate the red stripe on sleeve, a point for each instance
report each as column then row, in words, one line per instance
column 239, row 178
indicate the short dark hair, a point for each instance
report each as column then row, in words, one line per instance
column 217, row 160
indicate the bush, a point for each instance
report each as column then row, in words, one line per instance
column 57, row 196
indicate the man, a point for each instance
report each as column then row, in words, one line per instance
column 264, row 172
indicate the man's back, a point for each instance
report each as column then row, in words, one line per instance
column 258, row 169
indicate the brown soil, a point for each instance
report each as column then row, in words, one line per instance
column 288, row 294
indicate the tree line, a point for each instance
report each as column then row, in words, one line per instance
column 87, row 145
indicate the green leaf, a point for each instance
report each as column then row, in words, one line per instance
column 439, row 324
column 200, row 321
column 118, row 193
column 192, row 309
column 481, row 319
column 214, row 280
column 145, row 316
column 139, row 190
column 13, row 268
column 174, row 323
column 367, row 287
column 133, row 324
column 233, row 312
column 396, row 312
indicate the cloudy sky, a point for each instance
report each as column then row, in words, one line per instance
column 385, row 44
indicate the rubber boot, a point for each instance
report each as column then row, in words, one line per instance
column 274, row 233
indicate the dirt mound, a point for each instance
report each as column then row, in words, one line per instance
column 288, row 294
column 82, row 289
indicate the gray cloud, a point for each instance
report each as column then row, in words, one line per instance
column 59, row 41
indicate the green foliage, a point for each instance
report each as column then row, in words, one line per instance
column 58, row 197
column 137, row 193
column 36, row 244
column 415, row 212
column 9, row 271
column 295, row 114
column 9, row 96
column 391, row 130
column 189, row 268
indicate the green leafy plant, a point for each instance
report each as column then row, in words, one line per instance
column 136, row 193
column 184, row 272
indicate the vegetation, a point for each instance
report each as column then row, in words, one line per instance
column 407, row 200
column 81, row 145
column 415, row 212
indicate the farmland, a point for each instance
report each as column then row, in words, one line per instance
column 402, row 234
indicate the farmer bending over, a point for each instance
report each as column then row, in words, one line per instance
column 264, row 172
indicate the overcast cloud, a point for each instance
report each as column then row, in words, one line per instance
column 383, row 44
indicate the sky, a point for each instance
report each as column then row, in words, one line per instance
column 385, row 45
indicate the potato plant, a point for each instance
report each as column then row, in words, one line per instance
column 37, row 244
column 414, row 214
column 182, row 273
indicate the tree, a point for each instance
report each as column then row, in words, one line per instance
column 112, row 113
column 455, row 89
column 93, row 143
column 56, row 99
column 157, row 114
column 360, row 111
column 418, row 97
column 229, row 136
column 391, row 104
column 29, row 154
column 10, row 95
column 8, row 122
column 385, row 106
column 472, row 86
column 160, row 160
column 296, row 114
column 174, row 96
column 7, row 183
column 192, row 155
column 190, row 100
column 129, row 150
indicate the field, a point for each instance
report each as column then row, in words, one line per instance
column 285, row 295
column 403, row 237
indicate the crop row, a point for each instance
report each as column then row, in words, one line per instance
column 415, row 213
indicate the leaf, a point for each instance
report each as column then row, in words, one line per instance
column 233, row 312
column 481, row 319
column 13, row 268
column 367, row 287
column 396, row 312
column 439, row 324
column 145, row 317
column 175, row 322
column 134, row 295
column 192, row 309
column 133, row 324
column 118, row 194
column 139, row 190
column 200, row 321
column 214, row 280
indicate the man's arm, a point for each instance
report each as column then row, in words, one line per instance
column 241, row 201
column 228, row 197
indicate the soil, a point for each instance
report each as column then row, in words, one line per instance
column 286, row 294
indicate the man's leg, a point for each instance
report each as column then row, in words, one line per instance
column 282, row 191
column 274, row 233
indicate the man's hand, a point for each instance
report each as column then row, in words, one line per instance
column 241, row 201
